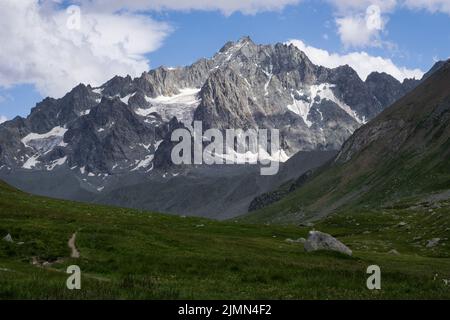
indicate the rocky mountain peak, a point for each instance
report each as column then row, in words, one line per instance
column 242, row 41
column 436, row 67
column 121, row 124
column 421, row 118
column 380, row 76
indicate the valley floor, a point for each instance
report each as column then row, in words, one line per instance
column 127, row 254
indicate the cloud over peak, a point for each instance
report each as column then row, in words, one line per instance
column 360, row 23
column 361, row 30
column 362, row 62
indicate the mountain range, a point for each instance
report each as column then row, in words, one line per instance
column 111, row 144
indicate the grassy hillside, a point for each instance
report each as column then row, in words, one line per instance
column 402, row 154
column 142, row 255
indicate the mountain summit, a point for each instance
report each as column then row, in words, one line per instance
column 119, row 126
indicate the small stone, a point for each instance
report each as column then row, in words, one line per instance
column 433, row 242
column 394, row 252
column 8, row 238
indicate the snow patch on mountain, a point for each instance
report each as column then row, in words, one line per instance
column 306, row 98
column 98, row 90
column 157, row 144
column 181, row 106
column 31, row 163
column 301, row 108
column 186, row 96
column 127, row 98
column 45, row 142
column 58, row 162
column 144, row 163
column 269, row 76
column 145, row 112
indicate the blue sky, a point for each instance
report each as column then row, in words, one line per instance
column 411, row 36
column 419, row 35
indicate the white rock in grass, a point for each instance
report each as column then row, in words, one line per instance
column 433, row 242
column 321, row 241
column 8, row 238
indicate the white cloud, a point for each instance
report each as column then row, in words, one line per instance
column 41, row 50
column 114, row 37
column 225, row 6
column 346, row 7
column 3, row 119
column 353, row 18
column 430, row 5
column 362, row 30
column 362, row 62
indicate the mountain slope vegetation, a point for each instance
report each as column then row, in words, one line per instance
column 141, row 255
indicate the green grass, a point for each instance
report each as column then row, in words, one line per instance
column 344, row 187
column 128, row 254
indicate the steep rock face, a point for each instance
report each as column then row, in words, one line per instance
column 12, row 150
column 435, row 68
column 224, row 103
column 163, row 151
column 109, row 137
column 51, row 112
column 419, row 120
column 354, row 93
column 160, row 82
column 120, row 125
column 386, row 88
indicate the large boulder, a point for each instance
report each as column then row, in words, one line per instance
column 321, row 241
